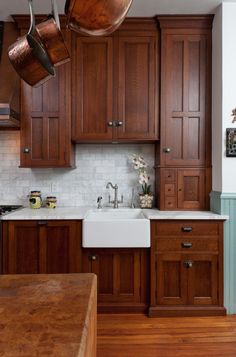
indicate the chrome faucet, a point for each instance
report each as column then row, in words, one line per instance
column 115, row 201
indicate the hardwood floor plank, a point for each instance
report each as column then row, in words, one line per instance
column 139, row 336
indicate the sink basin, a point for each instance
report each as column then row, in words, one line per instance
column 116, row 228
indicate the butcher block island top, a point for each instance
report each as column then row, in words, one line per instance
column 48, row 315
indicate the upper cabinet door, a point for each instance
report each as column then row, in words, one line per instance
column 92, row 88
column 185, row 104
column 137, row 88
column 46, row 122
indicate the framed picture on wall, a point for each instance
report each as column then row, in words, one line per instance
column 231, row 142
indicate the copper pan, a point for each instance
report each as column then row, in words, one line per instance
column 29, row 58
column 96, row 17
column 52, row 39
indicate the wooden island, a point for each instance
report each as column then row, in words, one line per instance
column 48, row 315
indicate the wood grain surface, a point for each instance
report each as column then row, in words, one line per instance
column 140, row 336
column 48, row 315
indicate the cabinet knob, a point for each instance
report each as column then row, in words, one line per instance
column 26, row 150
column 117, row 123
column 167, row 150
column 110, row 123
column 93, row 257
column 188, row 264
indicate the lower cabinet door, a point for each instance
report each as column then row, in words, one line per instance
column 42, row 247
column 21, row 247
column 60, row 249
column 171, row 279
column 203, row 280
column 118, row 271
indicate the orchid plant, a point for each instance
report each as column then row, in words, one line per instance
column 141, row 166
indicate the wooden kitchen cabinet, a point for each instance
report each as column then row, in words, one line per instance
column 183, row 188
column 122, row 277
column 187, row 268
column 46, row 116
column 185, row 91
column 185, row 133
column 115, row 84
column 41, row 247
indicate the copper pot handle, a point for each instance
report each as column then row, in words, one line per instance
column 32, row 18
column 55, row 13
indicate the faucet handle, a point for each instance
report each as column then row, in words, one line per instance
column 109, row 198
column 99, row 201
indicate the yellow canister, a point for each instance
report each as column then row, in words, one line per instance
column 35, row 199
column 51, row 202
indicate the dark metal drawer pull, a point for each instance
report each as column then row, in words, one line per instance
column 186, row 245
column 42, row 223
column 187, row 229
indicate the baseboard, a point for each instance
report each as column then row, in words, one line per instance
column 184, row 311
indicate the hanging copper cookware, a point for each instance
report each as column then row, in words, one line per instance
column 96, row 17
column 52, row 39
column 29, row 57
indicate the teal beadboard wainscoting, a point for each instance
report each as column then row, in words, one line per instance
column 225, row 203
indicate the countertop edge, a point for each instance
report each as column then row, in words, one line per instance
column 68, row 213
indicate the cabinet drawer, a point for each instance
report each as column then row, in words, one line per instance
column 170, row 189
column 185, row 245
column 186, row 228
column 170, row 175
column 170, row 202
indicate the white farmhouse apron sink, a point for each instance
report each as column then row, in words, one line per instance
column 116, row 228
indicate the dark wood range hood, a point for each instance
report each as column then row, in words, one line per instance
column 9, row 80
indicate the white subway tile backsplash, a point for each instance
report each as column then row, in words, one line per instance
column 95, row 166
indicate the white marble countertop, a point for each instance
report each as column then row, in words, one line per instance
column 156, row 214
column 73, row 213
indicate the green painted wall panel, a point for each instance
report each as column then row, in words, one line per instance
column 225, row 203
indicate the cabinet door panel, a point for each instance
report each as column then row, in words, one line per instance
column 21, row 248
column 203, row 280
column 61, row 247
column 137, row 88
column 171, row 283
column 93, row 88
column 46, row 122
column 191, row 189
column 185, row 93
column 118, row 271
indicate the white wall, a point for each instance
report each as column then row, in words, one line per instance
column 217, row 87
column 223, row 95
column 95, row 166
column 229, row 90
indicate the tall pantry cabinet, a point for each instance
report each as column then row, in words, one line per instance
column 183, row 170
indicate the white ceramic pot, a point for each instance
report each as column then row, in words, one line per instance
column 146, row 201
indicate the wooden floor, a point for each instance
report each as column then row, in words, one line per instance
column 140, row 336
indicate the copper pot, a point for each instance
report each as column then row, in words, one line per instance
column 96, row 17
column 29, row 58
column 52, row 39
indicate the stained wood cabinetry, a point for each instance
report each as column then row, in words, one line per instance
column 115, row 84
column 186, row 268
column 183, row 188
column 46, row 117
column 45, row 247
column 185, row 139
column 122, row 277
